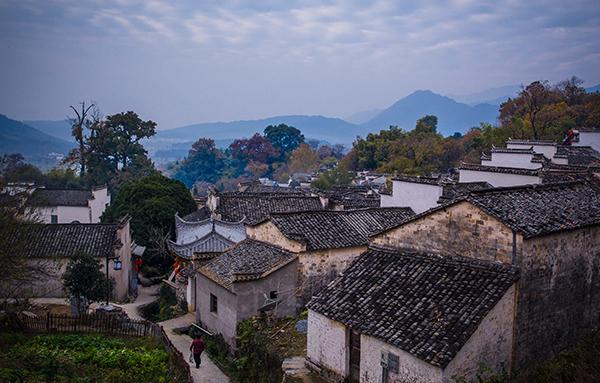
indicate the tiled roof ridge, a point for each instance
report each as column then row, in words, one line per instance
column 501, row 189
column 512, row 150
column 532, row 142
column 207, row 220
column 498, row 169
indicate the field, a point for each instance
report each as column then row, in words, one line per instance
column 81, row 358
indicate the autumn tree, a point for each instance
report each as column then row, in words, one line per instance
column 284, row 138
column 303, row 160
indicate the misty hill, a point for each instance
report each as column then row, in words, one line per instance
column 37, row 147
column 593, row 89
column 493, row 96
column 452, row 116
column 317, row 127
column 362, row 116
column 59, row 129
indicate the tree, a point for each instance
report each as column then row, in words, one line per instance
column 303, row 159
column 127, row 130
column 338, row 176
column 10, row 162
column 427, row 124
column 84, row 282
column 204, row 163
column 152, row 203
column 283, row 137
column 78, row 122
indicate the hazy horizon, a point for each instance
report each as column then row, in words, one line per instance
column 183, row 63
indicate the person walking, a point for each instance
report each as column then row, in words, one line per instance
column 196, row 348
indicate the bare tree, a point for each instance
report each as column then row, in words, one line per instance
column 78, row 123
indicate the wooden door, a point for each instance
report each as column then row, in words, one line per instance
column 354, row 357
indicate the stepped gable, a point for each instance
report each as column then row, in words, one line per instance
column 579, row 155
column 425, row 304
column 254, row 208
column 498, row 169
column 59, row 197
column 536, row 210
column 199, row 215
column 65, row 240
column 246, row 261
column 338, row 229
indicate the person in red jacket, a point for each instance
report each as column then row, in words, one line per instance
column 196, row 348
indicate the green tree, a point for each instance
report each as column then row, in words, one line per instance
column 285, row 138
column 204, row 163
column 84, row 281
column 338, row 176
column 427, row 124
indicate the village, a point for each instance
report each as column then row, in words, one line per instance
column 489, row 269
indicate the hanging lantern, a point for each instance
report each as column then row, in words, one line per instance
column 118, row 265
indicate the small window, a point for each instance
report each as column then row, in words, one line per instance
column 213, row 303
column 53, row 218
column 273, row 294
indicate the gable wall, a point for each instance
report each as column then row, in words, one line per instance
column 418, row 196
column 224, row 321
column 327, row 346
column 497, row 179
column 269, row 233
column 559, row 300
column 461, row 229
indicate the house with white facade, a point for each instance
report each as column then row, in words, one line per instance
column 49, row 205
column 404, row 316
column 588, row 137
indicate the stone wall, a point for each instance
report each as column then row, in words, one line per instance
column 269, row 233
column 490, row 345
column 461, row 229
column 327, row 346
column 318, row 268
column 559, row 299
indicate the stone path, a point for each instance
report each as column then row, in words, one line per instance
column 145, row 295
column 208, row 371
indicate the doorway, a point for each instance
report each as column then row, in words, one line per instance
column 354, row 356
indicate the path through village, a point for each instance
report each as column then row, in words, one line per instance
column 208, row 371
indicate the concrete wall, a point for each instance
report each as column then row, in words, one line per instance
column 490, row 345
column 269, row 233
column 224, row 321
column 327, row 345
column 558, row 299
column 512, row 160
column 418, row 196
column 318, row 268
column 589, row 139
column 251, row 294
column 497, row 179
column 461, row 229
column 411, row 369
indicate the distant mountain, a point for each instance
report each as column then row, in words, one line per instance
column 37, row 147
column 362, row 116
column 452, row 116
column 492, row 96
column 59, row 129
column 593, row 89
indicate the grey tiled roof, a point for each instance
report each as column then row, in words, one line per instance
column 199, row 215
column 579, row 155
column 498, row 169
column 59, row 197
column 427, row 305
column 66, row 240
column 258, row 188
column 234, row 207
column 532, row 142
column 542, row 209
column 248, row 260
column 452, row 191
column 212, row 243
column 337, row 229
column 417, row 179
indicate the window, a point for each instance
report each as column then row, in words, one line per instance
column 273, row 294
column 53, row 218
column 213, row 303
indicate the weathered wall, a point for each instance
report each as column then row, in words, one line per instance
column 461, row 229
column 251, row 294
column 559, row 298
column 490, row 345
column 224, row 321
column 411, row 369
column 497, row 179
column 269, row 233
column 318, row 268
column 327, row 344
column 123, row 278
column 418, row 196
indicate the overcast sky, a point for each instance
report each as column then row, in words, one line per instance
column 185, row 62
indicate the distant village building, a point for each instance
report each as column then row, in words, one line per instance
column 67, row 205
column 550, row 232
column 404, row 316
column 55, row 244
column 348, row 197
column 326, row 241
column 249, row 278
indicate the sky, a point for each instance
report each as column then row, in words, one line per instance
column 184, row 62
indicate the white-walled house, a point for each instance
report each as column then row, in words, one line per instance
column 404, row 316
column 523, row 158
column 498, row 176
column 588, row 137
column 68, row 205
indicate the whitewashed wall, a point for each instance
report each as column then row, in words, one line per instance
column 497, row 179
column 512, row 160
column 326, row 343
column 418, row 196
column 65, row 214
column 589, row 139
column 547, row 150
column 99, row 203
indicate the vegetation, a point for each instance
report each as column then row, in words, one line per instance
column 81, row 358
column 84, row 282
column 278, row 153
column 165, row 307
column 152, row 203
column 540, row 111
